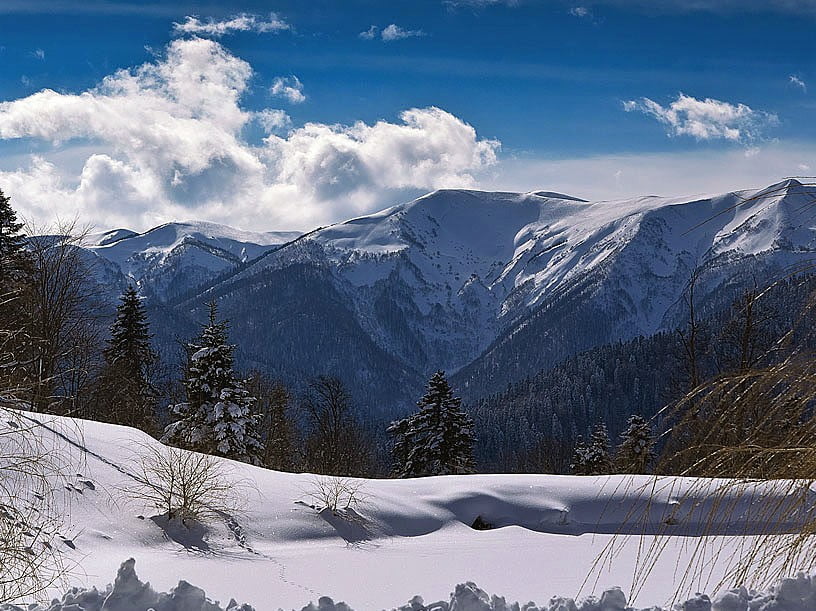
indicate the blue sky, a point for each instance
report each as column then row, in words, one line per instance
column 574, row 96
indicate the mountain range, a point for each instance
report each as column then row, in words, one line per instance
column 490, row 286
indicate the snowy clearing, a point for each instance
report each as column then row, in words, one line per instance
column 403, row 537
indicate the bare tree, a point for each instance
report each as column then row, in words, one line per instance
column 63, row 310
column 690, row 336
column 745, row 338
column 335, row 442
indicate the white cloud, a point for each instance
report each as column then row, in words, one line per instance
column 798, row 82
column 706, row 119
column 370, row 33
column 581, row 12
column 390, row 33
column 243, row 22
column 273, row 120
column 428, row 147
column 288, row 87
column 395, row 32
column 166, row 141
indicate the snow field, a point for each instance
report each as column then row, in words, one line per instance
column 405, row 536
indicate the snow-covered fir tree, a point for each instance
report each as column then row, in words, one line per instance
column 12, row 241
column 436, row 440
column 592, row 457
column 218, row 417
column 636, row 451
column 13, row 336
column 124, row 392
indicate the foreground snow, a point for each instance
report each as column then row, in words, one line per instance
column 128, row 593
column 406, row 536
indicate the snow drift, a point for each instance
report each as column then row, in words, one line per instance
column 128, row 593
column 404, row 536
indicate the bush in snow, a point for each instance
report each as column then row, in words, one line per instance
column 336, row 493
column 184, row 485
column 438, row 439
column 218, row 417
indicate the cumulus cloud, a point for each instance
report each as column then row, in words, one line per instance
column 39, row 54
column 288, row 87
column 243, row 22
column 395, row 32
column 273, row 120
column 581, row 12
column 706, row 119
column 166, row 140
column 797, row 82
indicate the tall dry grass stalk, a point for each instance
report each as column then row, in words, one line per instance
column 745, row 445
column 34, row 466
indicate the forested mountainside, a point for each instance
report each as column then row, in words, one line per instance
column 539, row 419
column 492, row 287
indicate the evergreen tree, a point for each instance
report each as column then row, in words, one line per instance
column 592, row 457
column 124, row 392
column 12, row 242
column 218, row 417
column 636, row 451
column 15, row 344
column 274, row 405
column 436, row 440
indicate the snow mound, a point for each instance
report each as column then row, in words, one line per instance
column 128, row 593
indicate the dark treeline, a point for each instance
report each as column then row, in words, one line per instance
column 536, row 423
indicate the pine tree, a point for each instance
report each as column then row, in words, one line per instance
column 12, row 242
column 15, row 344
column 218, row 417
column 124, row 393
column 436, row 440
column 592, row 457
column 636, row 450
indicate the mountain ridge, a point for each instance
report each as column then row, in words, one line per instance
column 490, row 286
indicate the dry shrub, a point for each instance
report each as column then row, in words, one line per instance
column 32, row 471
column 336, row 493
column 183, row 485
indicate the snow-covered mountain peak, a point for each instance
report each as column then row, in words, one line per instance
column 107, row 237
column 178, row 256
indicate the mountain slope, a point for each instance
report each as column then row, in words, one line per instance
column 173, row 258
column 492, row 287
